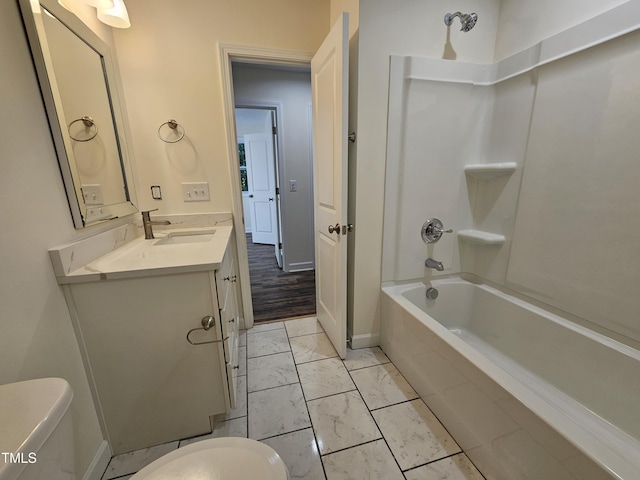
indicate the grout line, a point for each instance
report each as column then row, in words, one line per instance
column 306, row 406
column 375, row 422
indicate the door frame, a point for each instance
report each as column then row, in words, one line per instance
column 243, row 53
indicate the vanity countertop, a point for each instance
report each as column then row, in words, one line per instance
column 179, row 250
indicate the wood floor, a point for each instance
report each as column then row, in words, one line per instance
column 276, row 294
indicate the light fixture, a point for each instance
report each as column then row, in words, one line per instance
column 116, row 16
column 63, row 4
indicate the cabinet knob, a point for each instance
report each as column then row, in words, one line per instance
column 235, row 367
column 232, row 320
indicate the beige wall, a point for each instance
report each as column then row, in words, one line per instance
column 170, row 67
column 36, row 335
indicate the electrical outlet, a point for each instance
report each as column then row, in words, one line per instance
column 195, row 192
column 92, row 194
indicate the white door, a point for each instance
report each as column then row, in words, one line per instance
column 261, row 175
column 329, row 86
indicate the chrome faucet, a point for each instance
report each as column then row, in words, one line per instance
column 431, row 263
column 147, row 223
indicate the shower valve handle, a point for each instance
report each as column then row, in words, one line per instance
column 432, row 230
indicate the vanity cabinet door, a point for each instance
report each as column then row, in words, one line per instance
column 152, row 384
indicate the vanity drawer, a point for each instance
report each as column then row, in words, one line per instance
column 225, row 277
column 233, row 368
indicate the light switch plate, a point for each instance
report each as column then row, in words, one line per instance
column 92, row 194
column 293, row 185
column 195, row 192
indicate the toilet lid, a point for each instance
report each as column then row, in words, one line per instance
column 217, row 459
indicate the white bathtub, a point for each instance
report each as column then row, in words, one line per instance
column 527, row 394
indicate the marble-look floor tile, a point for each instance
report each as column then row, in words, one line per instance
column 303, row 326
column 267, row 343
column 276, row 411
column 324, row 377
column 300, row 454
column 241, row 403
column 372, row 461
column 128, row 463
column 271, row 371
column 265, row 327
column 414, row 434
column 341, row 421
column 458, row 467
column 308, row 348
column 382, row 385
column 364, row 357
column 229, row 428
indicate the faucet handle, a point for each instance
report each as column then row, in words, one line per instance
column 432, row 230
column 148, row 211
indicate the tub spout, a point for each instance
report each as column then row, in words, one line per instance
column 431, row 263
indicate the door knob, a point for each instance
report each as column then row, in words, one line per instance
column 334, row 228
column 271, row 199
column 251, row 195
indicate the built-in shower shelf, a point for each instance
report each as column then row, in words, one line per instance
column 486, row 171
column 479, row 237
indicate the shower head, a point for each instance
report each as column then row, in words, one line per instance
column 468, row 20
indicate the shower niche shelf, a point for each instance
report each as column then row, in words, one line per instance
column 478, row 237
column 486, row 171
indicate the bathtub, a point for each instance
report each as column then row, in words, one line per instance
column 526, row 393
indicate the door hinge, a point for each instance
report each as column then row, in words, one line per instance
column 277, row 190
column 280, row 246
column 274, row 130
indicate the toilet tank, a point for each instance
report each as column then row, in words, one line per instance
column 36, row 438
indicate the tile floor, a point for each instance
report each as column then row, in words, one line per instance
column 328, row 419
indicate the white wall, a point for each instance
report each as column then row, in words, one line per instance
column 292, row 90
column 416, row 28
column 565, row 212
column 412, row 27
column 524, row 23
column 36, row 334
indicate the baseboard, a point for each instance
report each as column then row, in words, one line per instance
column 365, row 341
column 99, row 463
column 300, row 267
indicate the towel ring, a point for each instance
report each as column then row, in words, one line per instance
column 88, row 122
column 173, row 125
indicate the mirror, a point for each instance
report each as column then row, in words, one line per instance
column 78, row 86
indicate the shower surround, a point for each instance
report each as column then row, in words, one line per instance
column 532, row 161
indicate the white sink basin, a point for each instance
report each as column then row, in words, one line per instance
column 177, row 238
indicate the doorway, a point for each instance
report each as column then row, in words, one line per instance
column 272, row 120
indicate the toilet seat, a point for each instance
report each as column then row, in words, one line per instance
column 226, row 458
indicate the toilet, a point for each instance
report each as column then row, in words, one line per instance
column 36, row 435
column 227, row 458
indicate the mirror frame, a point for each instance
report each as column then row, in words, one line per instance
column 82, row 214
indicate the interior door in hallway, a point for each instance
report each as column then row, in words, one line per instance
column 262, row 186
column 329, row 87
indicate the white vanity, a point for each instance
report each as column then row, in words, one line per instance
column 157, row 324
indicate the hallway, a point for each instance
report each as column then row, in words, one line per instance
column 276, row 294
